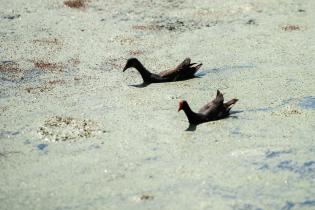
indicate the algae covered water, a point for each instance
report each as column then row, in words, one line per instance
column 77, row 133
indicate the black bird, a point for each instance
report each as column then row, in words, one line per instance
column 183, row 71
column 214, row 110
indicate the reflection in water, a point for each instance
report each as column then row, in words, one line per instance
column 191, row 127
column 142, row 85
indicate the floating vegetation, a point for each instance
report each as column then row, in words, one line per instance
column 146, row 197
column 48, row 66
column 11, row 17
column 287, row 111
column 136, row 52
column 146, row 27
column 10, row 71
column 77, row 4
column 47, row 41
column 290, row 28
column 46, row 86
column 62, row 128
column 115, row 63
column 171, row 24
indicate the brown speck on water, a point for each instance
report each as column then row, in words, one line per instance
column 3, row 108
column 77, row 4
column 11, row 71
column 124, row 40
column 47, row 41
column 116, row 62
column 288, row 112
column 74, row 61
column 291, row 28
column 46, row 86
column 36, row 89
column 45, row 65
column 9, row 67
column 136, row 52
column 145, row 27
column 251, row 22
column 54, row 82
column 146, row 197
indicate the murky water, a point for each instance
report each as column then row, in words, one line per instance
column 77, row 133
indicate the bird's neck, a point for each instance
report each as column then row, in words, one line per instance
column 192, row 116
column 145, row 74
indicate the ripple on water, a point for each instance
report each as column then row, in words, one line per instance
column 298, row 205
column 278, row 161
column 223, row 69
column 305, row 170
column 307, row 102
column 42, row 146
column 272, row 154
column 246, row 207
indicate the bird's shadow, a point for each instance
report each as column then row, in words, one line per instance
column 235, row 112
column 191, row 127
column 142, row 85
column 145, row 84
column 203, row 73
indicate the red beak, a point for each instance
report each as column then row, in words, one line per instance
column 180, row 106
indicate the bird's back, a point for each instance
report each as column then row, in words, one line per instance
column 184, row 70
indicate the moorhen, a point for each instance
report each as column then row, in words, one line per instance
column 214, row 110
column 183, row 71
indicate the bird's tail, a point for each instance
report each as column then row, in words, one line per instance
column 228, row 105
column 219, row 98
column 197, row 67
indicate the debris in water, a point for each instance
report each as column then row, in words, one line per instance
column 77, row 4
column 62, row 128
column 290, row 28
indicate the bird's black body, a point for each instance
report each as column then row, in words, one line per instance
column 183, row 71
column 214, row 110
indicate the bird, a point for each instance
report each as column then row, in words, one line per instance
column 214, row 110
column 185, row 70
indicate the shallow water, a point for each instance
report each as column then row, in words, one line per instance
column 307, row 102
column 77, row 133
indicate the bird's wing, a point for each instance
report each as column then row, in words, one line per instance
column 213, row 105
column 173, row 72
column 228, row 105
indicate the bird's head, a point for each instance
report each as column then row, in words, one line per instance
column 131, row 62
column 182, row 105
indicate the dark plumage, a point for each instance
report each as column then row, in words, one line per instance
column 214, row 110
column 183, row 71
